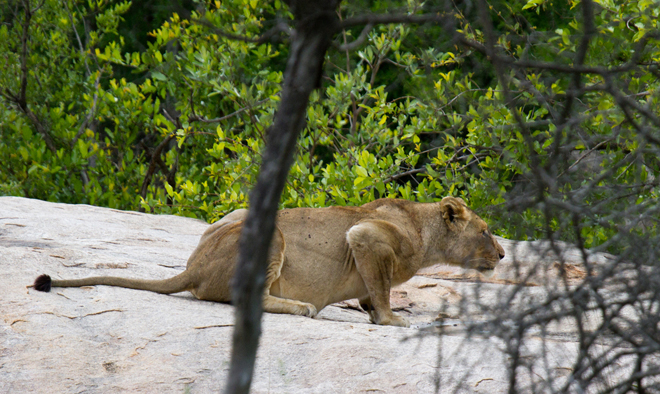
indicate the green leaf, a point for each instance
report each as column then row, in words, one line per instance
column 361, row 171
column 159, row 76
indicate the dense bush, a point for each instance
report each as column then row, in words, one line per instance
column 414, row 112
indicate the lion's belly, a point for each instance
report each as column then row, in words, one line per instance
column 318, row 288
column 318, row 266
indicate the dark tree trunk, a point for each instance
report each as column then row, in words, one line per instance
column 316, row 22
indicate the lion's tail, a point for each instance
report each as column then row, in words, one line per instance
column 176, row 284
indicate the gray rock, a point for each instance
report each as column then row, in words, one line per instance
column 105, row 339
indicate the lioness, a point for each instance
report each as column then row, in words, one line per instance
column 320, row 256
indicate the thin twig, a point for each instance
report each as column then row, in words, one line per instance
column 358, row 41
column 92, row 111
column 378, row 19
column 152, row 165
column 269, row 35
column 198, row 118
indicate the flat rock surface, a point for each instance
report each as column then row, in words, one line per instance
column 104, row 339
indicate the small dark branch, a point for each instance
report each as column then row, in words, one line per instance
column 374, row 72
column 256, row 125
column 524, row 82
column 359, row 41
column 589, row 31
column 626, row 102
column 192, row 102
column 20, row 99
column 630, row 117
column 39, row 6
column 502, row 76
column 75, row 31
column 269, row 35
column 562, row 68
column 343, row 33
column 152, row 165
column 402, row 174
column 536, row 123
column 355, row 112
column 197, row 118
column 12, row 98
column 92, row 111
column 161, row 165
column 24, row 44
column 585, row 154
column 171, row 119
column 378, row 19
column 638, row 51
column 170, row 174
column 9, row 96
column 40, row 128
column 85, row 177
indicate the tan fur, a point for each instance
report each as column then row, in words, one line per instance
column 320, row 256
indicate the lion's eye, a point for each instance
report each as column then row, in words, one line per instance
column 485, row 233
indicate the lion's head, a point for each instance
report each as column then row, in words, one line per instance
column 471, row 243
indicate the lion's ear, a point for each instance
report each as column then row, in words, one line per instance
column 454, row 212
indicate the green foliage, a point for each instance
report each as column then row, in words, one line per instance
column 406, row 115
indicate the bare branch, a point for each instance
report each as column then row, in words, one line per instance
column 24, row 43
column 272, row 34
column 197, row 118
column 584, row 155
column 92, row 111
column 379, row 19
column 403, row 174
column 155, row 156
column 75, row 31
column 20, row 99
column 358, row 41
column 566, row 69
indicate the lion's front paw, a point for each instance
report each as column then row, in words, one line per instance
column 304, row 309
column 395, row 320
column 399, row 322
column 309, row 310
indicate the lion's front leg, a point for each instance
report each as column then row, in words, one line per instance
column 367, row 306
column 292, row 307
column 373, row 245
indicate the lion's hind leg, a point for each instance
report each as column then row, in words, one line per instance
column 274, row 304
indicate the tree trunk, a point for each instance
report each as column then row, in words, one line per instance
column 315, row 25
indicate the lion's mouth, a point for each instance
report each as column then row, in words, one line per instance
column 487, row 272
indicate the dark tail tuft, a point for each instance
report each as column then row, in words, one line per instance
column 42, row 283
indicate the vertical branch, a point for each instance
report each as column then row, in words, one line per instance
column 316, row 23
column 515, row 341
column 155, row 156
column 343, row 33
column 92, row 111
column 589, row 30
column 75, row 31
column 21, row 98
column 576, row 81
column 24, row 43
column 490, row 50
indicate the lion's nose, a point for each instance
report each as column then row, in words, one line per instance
column 501, row 254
